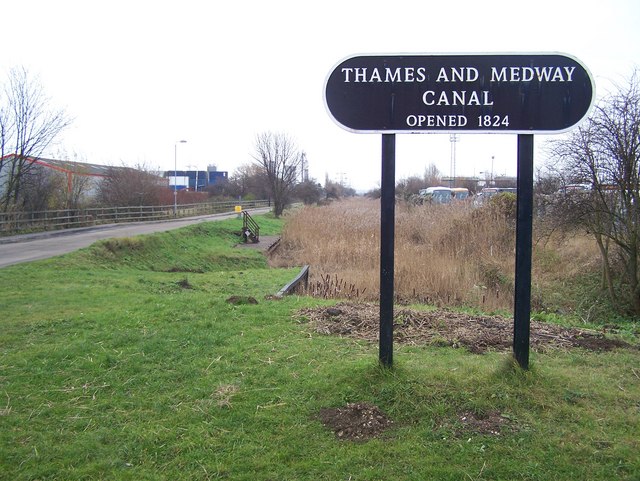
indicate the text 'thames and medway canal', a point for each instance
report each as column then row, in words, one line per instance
column 485, row 93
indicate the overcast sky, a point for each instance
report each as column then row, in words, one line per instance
column 137, row 76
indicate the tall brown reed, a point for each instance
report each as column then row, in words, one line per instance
column 444, row 254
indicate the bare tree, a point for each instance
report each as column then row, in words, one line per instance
column 310, row 192
column 432, row 177
column 126, row 186
column 27, row 127
column 337, row 190
column 68, row 185
column 249, row 181
column 77, row 191
column 43, row 189
column 280, row 159
column 604, row 152
column 409, row 187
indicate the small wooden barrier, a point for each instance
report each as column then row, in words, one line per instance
column 294, row 285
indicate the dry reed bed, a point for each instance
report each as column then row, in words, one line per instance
column 444, row 255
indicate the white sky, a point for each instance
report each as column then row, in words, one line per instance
column 138, row 75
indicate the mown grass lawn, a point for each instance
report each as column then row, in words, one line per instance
column 124, row 361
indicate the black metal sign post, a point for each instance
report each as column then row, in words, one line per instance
column 387, row 243
column 505, row 93
column 524, row 228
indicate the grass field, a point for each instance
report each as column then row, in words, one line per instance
column 125, row 361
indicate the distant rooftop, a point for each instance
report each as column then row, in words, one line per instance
column 78, row 168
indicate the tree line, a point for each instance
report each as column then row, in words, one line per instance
column 593, row 186
column 29, row 125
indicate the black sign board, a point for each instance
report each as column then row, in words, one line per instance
column 523, row 93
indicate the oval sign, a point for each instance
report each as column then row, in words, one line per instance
column 516, row 93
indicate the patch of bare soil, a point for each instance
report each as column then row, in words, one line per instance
column 491, row 424
column 242, row 300
column 184, row 283
column 478, row 334
column 356, row 421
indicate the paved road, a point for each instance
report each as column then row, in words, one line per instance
column 31, row 247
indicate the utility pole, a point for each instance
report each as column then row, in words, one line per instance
column 491, row 178
column 453, row 138
column 304, row 168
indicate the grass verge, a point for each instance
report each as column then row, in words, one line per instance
column 132, row 365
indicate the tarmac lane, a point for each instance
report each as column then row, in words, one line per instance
column 42, row 245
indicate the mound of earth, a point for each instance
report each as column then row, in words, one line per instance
column 356, row 421
column 490, row 424
column 241, row 300
column 441, row 327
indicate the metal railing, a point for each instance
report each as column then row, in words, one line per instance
column 250, row 228
column 22, row 222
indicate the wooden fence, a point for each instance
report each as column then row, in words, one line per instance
column 23, row 222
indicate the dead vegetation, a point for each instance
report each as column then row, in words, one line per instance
column 445, row 255
column 477, row 334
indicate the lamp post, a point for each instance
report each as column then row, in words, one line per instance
column 492, row 157
column 175, row 176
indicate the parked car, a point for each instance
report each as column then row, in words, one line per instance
column 574, row 188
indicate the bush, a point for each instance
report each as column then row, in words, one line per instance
column 504, row 204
